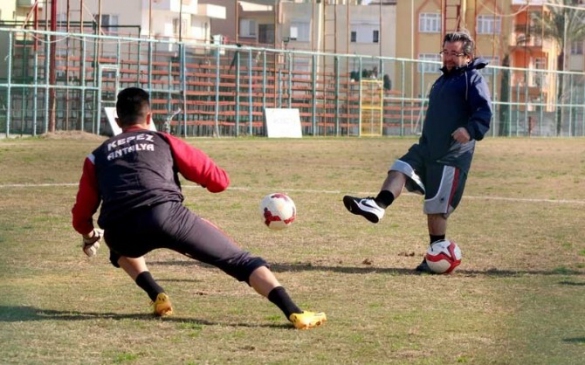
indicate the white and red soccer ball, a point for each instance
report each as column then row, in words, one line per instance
column 443, row 256
column 278, row 211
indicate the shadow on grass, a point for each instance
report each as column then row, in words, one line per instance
column 180, row 280
column 574, row 340
column 307, row 266
column 28, row 313
column 572, row 283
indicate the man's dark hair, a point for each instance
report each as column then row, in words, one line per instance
column 461, row 36
column 132, row 106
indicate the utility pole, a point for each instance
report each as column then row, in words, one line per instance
column 237, row 21
column 180, row 22
column 81, row 8
column 149, row 19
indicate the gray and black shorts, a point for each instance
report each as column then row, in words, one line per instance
column 442, row 185
column 172, row 226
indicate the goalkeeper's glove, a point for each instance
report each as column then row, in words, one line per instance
column 91, row 241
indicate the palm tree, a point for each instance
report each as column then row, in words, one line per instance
column 563, row 22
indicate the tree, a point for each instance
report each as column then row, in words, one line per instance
column 562, row 23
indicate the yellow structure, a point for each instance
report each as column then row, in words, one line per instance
column 372, row 107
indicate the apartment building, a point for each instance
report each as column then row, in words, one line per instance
column 332, row 26
column 528, row 49
column 425, row 23
column 499, row 28
column 16, row 10
column 173, row 20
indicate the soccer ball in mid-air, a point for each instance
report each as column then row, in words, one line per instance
column 278, row 211
column 443, row 256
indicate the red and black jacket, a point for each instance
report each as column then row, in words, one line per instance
column 136, row 169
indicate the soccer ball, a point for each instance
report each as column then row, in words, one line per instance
column 443, row 256
column 278, row 211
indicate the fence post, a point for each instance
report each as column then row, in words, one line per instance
column 82, row 106
column 337, row 76
column 314, row 93
column 9, row 91
column 250, row 101
column 237, row 95
column 47, row 86
column 35, row 93
column 403, row 81
column 183, row 76
column 217, row 81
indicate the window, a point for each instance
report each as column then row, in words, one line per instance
column 196, row 29
column 577, row 47
column 266, row 33
column 429, row 67
column 429, row 23
column 109, row 23
column 300, row 31
column 489, row 24
column 539, row 77
column 248, row 28
column 365, row 33
column 180, row 28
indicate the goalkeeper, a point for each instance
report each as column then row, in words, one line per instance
column 134, row 176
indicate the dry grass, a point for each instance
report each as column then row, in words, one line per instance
column 517, row 299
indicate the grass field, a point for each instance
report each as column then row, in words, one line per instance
column 518, row 297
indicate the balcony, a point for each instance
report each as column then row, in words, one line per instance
column 211, row 11
column 28, row 3
column 529, row 2
column 529, row 37
column 527, row 40
column 176, row 6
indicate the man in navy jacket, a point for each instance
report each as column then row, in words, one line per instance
column 459, row 114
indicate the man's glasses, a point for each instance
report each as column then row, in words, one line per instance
column 452, row 54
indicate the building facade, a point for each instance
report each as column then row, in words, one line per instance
column 499, row 28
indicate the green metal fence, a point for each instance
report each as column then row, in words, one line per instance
column 52, row 81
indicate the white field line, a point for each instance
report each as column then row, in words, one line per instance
column 242, row 188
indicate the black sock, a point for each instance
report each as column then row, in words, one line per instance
column 280, row 298
column 384, row 199
column 436, row 238
column 145, row 281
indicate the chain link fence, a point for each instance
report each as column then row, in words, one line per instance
column 52, row 81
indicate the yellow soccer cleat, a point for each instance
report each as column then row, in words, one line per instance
column 307, row 319
column 162, row 306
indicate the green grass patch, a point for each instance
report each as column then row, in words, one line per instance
column 516, row 299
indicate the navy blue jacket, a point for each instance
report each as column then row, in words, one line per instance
column 459, row 98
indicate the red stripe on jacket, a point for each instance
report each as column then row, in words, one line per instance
column 88, row 198
column 197, row 167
